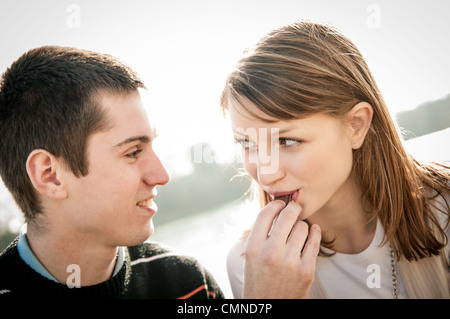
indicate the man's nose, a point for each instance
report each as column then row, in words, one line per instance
column 154, row 172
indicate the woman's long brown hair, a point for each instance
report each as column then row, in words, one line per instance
column 307, row 68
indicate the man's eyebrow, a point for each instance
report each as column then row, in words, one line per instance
column 142, row 138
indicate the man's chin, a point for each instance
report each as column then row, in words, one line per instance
column 138, row 237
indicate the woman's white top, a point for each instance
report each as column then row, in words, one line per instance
column 367, row 274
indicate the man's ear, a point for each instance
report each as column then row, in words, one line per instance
column 359, row 119
column 43, row 170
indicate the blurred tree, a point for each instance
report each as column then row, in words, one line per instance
column 426, row 118
column 209, row 186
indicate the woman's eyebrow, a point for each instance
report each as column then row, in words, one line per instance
column 273, row 130
column 284, row 131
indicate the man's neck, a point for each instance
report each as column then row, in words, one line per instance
column 66, row 256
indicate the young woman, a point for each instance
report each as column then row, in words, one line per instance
column 316, row 133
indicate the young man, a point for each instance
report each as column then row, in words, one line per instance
column 76, row 154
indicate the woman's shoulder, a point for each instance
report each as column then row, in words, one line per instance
column 440, row 205
column 235, row 266
column 236, row 252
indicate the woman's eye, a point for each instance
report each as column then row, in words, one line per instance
column 289, row 142
column 135, row 153
column 245, row 144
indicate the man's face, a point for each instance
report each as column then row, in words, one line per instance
column 113, row 203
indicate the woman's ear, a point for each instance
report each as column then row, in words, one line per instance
column 43, row 168
column 359, row 119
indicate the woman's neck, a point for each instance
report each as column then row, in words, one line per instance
column 344, row 220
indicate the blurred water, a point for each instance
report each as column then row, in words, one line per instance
column 431, row 147
column 209, row 236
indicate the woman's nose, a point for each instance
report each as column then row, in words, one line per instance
column 268, row 175
column 268, row 167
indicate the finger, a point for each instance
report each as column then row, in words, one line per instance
column 312, row 247
column 297, row 238
column 285, row 222
column 264, row 221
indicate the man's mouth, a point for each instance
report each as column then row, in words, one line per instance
column 145, row 203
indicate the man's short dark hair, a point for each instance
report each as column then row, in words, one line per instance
column 49, row 100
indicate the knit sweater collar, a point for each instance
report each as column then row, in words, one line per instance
column 30, row 259
column 35, row 284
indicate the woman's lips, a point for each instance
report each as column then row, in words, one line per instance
column 287, row 197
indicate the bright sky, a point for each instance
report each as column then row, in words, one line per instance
column 184, row 49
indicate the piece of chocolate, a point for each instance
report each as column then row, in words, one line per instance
column 284, row 198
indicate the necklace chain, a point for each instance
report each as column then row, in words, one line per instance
column 394, row 273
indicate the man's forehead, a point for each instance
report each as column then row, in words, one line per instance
column 127, row 117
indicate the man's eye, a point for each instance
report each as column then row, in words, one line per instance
column 135, row 153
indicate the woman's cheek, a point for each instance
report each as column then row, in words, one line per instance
column 252, row 170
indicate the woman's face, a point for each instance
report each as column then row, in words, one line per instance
column 310, row 158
